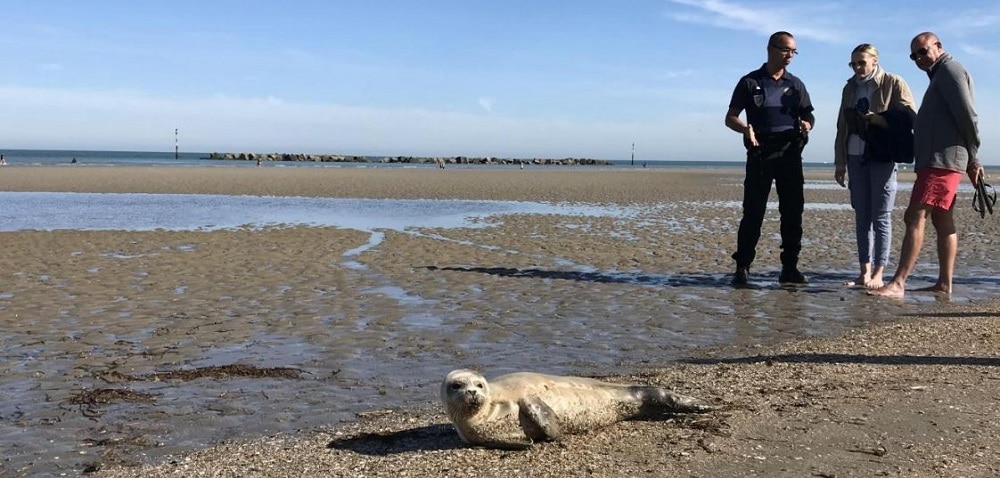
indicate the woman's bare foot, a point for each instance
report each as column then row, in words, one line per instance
column 861, row 281
column 892, row 289
column 875, row 283
column 875, row 278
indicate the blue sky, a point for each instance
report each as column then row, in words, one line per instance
column 517, row 78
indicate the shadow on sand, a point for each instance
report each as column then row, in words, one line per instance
column 664, row 280
column 850, row 358
column 834, row 358
column 819, row 282
column 428, row 438
column 672, row 280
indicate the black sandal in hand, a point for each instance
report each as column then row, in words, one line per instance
column 984, row 198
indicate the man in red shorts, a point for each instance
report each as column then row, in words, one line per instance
column 946, row 141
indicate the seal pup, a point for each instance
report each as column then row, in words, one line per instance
column 515, row 410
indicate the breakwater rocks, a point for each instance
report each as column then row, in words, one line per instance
column 439, row 161
column 319, row 158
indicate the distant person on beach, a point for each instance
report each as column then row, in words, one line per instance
column 73, row 161
column 946, row 144
column 3, row 160
column 871, row 98
column 779, row 116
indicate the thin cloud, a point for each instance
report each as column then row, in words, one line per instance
column 976, row 24
column 299, row 56
column 679, row 74
column 973, row 31
column 802, row 21
column 985, row 21
column 137, row 121
column 974, row 19
column 974, row 50
column 486, row 104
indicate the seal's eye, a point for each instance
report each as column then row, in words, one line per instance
column 479, row 384
column 456, row 386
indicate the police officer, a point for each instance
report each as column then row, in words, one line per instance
column 779, row 117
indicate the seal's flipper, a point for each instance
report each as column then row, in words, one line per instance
column 537, row 420
column 656, row 400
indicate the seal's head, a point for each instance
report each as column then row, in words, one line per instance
column 464, row 391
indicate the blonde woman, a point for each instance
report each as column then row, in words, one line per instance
column 867, row 96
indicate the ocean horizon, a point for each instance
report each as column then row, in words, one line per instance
column 57, row 157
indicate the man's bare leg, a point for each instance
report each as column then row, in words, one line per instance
column 947, row 250
column 915, row 219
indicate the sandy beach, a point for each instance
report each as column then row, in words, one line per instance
column 304, row 359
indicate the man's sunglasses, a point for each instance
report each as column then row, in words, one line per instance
column 858, row 64
column 921, row 52
column 785, row 51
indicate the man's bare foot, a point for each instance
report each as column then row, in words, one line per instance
column 892, row 289
column 875, row 283
column 937, row 289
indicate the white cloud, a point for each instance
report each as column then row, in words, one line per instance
column 973, row 30
column 988, row 21
column 973, row 19
column 974, row 50
column 129, row 120
column 805, row 21
column 670, row 75
column 135, row 121
column 486, row 104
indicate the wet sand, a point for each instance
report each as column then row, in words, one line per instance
column 618, row 297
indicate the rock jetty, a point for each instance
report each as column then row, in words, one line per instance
column 341, row 158
column 319, row 158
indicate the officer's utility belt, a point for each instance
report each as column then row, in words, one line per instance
column 787, row 135
column 779, row 140
column 778, row 145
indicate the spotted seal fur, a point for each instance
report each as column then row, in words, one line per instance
column 515, row 410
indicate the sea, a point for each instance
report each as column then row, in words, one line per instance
column 78, row 158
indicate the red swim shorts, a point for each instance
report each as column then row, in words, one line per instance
column 936, row 187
